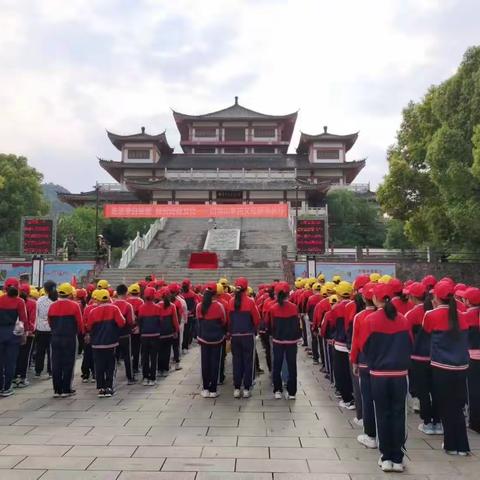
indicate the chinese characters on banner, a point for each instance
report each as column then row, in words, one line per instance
column 311, row 236
column 38, row 236
column 276, row 210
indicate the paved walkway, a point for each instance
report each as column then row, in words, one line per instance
column 169, row 432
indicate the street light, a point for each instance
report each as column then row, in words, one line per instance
column 96, row 211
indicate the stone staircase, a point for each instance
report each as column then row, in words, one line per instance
column 259, row 257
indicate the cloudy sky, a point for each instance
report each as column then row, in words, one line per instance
column 69, row 69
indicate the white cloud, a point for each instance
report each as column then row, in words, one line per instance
column 72, row 68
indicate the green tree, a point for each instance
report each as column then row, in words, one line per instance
column 353, row 221
column 20, row 195
column 395, row 236
column 433, row 182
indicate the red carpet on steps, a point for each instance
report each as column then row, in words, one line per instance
column 203, row 261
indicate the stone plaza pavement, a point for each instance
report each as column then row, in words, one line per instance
column 169, row 432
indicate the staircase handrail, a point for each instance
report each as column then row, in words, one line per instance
column 141, row 242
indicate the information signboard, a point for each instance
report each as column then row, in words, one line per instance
column 38, row 236
column 311, row 236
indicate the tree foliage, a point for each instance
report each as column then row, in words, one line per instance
column 20, row 195
column 353, row 221
column 433, row 183
column 395, row 236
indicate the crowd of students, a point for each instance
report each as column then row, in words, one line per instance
column 380, row 342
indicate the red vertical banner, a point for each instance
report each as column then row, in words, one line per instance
column 311, row 236
column 38, row 236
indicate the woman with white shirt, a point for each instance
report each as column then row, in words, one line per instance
column 43, row 333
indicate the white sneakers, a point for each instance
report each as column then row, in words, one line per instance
column 214, row 394
column 347, row 405
column 358, row 421
column 246, row 394
column 278, row 395
column 205, row 393
column 431, row 428
column 389, row 466
column 236, row 393
column 369, row 442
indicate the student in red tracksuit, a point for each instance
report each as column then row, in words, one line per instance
column 124, row 340
column 421, row 371
column 360, row 368
column 244, row 319
column 25, row 351
column 387, row 343
column 148, row 321
column 104, row 324
column 212, row 328
column 87, row 367
column 191, row 299
column 472, row 315
column 284, row 326
column 12, row 309
column 449, row 360
column 169, row 331
column 400, row 300
column 65, row 319
column 322, row 307
column 312, row 302
column 136, row 301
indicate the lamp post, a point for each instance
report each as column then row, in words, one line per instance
column 296, row 219
column 96, row 212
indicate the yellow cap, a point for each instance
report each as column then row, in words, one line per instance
column 331, row 287
column 223, row 281
column 2, row 293
column 103, row 284
column 324, row 291
column 41, row 292
column 134, row 288
column 317, row 287
column 298, row 283
column 65, row 290
column 321, row 277
column 375, row 277
column 220, row 289
column 336, row 279
column 333, row 299
column 384, row 279
column 344, row 289
column 249, row 291
column 34, row 292
column 101, row 295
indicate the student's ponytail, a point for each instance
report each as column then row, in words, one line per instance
column 207, row 301
column 238, row 298
column 427, row 302
column 453, row 314
column 12, row 292
column 389, row 309
column 271, row 293
column 281, row 297
column 359, row 303
column 166, row 301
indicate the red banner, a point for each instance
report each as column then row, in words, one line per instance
column 38, row 235
column 276, row 210
column 311, row 236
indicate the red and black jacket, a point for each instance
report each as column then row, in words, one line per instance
column 136, row 303
column 149, row 319
column 212, row 326
column 191, row 299
column 339, row 312
column 387, row 345
column 421, row 339
column 284, row 323
column 245, row 320
column 104, row 323
column 357, row 356
column 321, row 308
column 401, row 306
column 127, row 311
column 169, row 325
column 472, row 317
column 65, row 318
column 11, row 310
column 449, row 350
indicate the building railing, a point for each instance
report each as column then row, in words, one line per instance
column 141, row 242
column 228, row 174
column 112, row 187
column 353, row 187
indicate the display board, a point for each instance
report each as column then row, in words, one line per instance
column 348, row 271
column 311, row 236
column 38, row 236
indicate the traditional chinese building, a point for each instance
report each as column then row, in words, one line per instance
column 234, row 155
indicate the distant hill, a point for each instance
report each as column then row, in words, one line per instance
column 50, row 193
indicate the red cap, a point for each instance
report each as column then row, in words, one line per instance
column 416, row 289
column 25, row 288
column 447, row 279
column 174, row 288
column 367, row 290
column 152, row 284
column 473, row 295
column 443, row 290
column 186, row 281
column 90, row 288
column 396, row 285
column 11, row 282
column 408, row 283
column 382, row 290
column 198, row 288
column 158, row 295
column 360, row 281
column 241, row 282
column 81, row 293
column 160, row 283
column 460, row 287
column 142, row 283
column 149, row 293
column 211, row 286
column 429, row 281
column 282, row 287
